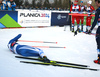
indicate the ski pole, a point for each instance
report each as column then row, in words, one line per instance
column 48, row 47
column 36, row 41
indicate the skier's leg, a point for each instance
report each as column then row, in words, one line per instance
column 98, row 45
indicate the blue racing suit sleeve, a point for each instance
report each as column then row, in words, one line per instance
column 12, row 41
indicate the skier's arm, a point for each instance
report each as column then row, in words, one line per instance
column 70, row 8
column 79, row 8
column 93, row 10
column 9, row 4
column 95, row 20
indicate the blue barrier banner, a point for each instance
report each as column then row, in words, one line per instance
column 58, row 18
column 12, row 14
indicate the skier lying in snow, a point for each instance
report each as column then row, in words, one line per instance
column 26, row 50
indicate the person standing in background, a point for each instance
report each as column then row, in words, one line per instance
column 5, row 5
column 90, row 9
column 81, row 12
column 11, row 5
column 97, row 19
column 75, row 8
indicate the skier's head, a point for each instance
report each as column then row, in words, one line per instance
column 76, row 2
column 97, row 2
column 89, row 3
column 81, row 3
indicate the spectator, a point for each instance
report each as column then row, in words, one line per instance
column 81, row 12
column 5, row 5
column 11, row 5
column 1, row 6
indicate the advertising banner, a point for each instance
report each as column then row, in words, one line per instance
column 60, row 19
column 9, row 19
column 12, row 14
column 30, row 18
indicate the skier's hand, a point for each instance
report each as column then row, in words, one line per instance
column 89, row 14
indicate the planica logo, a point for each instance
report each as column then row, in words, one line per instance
column 34, row 15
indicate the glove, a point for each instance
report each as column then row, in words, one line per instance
column 89, row 14
column 46, row 60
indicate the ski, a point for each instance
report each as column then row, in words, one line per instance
column 31, row 58
column 90, row 33
column 60, row 65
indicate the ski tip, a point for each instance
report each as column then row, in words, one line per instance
column 94, row 69
column 56, row 42
column 64, row 47
column 98, row 69
column 16, row 56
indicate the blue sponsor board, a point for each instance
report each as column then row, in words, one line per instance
column 12, row 14
column 58, row 18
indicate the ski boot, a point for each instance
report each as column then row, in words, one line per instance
column 98, row 60
column 45, row 59
column 79, row 30
column 72, row 29
column 86, row 31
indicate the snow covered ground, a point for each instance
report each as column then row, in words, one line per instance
column 79, row 49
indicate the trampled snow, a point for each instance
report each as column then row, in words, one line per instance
column 80, row 49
